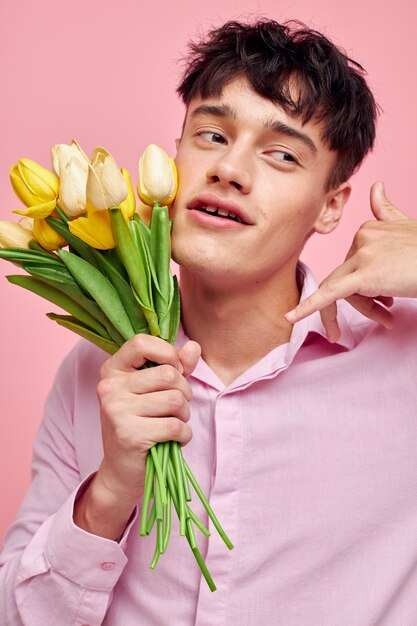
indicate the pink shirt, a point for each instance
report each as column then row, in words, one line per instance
column 310, row 462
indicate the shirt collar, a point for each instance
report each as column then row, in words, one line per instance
column 280, row 357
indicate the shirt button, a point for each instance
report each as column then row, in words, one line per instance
column 107, row 565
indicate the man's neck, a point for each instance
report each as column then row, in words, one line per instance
column 236, row 327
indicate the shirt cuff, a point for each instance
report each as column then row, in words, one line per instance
column 86, row 559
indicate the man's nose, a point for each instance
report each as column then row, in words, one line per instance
column 231, row 169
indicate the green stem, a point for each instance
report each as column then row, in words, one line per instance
column 180, row 486
column 61, row 214
column 150, row 471
column 197, row 522
column 160, row 478
column 187, row 491
column 151, row 519
column 208, row 507
column 160, row 535
column 155, row 557
column 168, row 517
column 195, row 550
column 204, row 569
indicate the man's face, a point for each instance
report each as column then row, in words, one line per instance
column 243, row 156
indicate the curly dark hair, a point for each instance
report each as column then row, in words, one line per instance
column 273, row 57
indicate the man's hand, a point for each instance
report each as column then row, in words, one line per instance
column 138, row 408
column 381, row 263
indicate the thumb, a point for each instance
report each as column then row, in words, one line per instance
column 189, row 355
column 381, row 207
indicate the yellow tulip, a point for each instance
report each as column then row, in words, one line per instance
column 128, row 206
column 14, row 235
column 158, row 179
column 35, row 186
column 70, row 163
column 94, row 230
column 46, row 236
column 106, row 185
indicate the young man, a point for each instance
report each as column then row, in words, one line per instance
column 305, row 444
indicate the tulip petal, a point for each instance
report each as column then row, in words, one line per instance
column 99, row 154
column 113, row 183
column 14, row 235
column 62, row 154
column 72, row 190
column 157, row 176
column 95, row 230
column 46, row 236
column 40, row 211
column 128, row 206
column 75, row 143
column 39, row 180
column 94, row 192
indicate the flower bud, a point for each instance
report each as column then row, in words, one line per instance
column 14, row 235
column 46, row 236
column 128, row 206
column 158, row 180
column 33, row 184
column 95, row 230
column 70, row 163
column 106, row 185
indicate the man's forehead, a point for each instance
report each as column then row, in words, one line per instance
column 239, row 100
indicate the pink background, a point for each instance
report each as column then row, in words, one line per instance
column 105, row 73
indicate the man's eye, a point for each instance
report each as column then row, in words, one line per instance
column 280, row 155
column 212, row 137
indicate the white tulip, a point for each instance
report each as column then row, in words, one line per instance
column 14, row 235
column 70, row 163
column 106, row 185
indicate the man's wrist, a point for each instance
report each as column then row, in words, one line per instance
column 100, row 512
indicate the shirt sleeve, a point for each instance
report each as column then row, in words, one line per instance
column 52, row 571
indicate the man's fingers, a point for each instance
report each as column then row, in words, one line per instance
column 381, row 207
column 334, row 287
column 141, row 348
column 146, row 381
column 189, row 355
column 371, row 309
column 329, row 318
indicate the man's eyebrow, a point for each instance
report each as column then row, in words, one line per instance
column 218, row 110
column 276, row 126
column 283, row 129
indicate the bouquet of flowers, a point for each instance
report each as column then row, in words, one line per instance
column 114, row 281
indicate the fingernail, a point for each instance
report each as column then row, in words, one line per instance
column 381, row 187
column 291, row 315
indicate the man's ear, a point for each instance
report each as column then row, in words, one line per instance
column 332, row 210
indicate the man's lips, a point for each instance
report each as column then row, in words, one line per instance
column 222, row 206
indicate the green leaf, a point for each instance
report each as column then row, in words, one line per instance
column 82, row 248
column 60, row 299
column 69, row 322
column 101, row 289
column 161, row 256
column 21, row 255
column 124, row 290
column 175, row 312
column 135, row 262
column 146, row 233
column 143, row 241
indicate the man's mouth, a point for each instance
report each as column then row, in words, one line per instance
column 216, row 206
column 220, row 213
